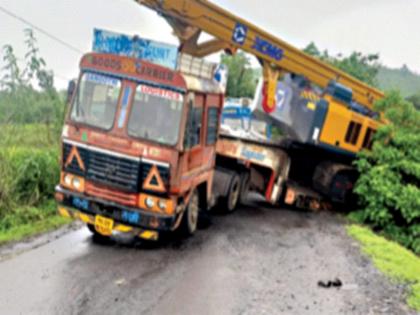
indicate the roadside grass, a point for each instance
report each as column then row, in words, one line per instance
column 392, row 259
column 29, row 136
column 29, row 170
column 20, row 232
column 28, row 221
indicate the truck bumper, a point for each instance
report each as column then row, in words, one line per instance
column 135, row 221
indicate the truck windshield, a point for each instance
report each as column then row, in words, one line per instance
column 96, row 101
column 156, row 115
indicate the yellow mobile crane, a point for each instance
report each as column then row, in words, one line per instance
column 327, row 115
column 336, row 126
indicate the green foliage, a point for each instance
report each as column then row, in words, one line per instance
column 30, row 122
column 20, row 102
column 393, row 260
column 389, row 185
column 27, row 221
column 12, row 77
column 363, row 67
column 27, row 176
column 242, row 79
column 29, row 170
column 415, row 99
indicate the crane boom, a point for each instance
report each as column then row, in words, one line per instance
column 189, row 17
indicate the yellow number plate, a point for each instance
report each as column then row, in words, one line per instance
column 104, row 225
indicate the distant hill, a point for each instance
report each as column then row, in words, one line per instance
column 403, row 79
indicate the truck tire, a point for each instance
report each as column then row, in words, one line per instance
column 230, row 202
column 96, row 236
column 245, row 181
column 190, row 217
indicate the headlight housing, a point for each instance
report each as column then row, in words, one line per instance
column 73, row 182
column 156, row 204
column 162, row 204
column 77, row 183
column 150, row 203
column 68, row 180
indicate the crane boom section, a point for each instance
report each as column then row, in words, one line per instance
column 238, row 33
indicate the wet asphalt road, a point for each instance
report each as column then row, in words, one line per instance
column 260, row 260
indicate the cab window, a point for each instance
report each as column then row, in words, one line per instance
column 156, row 115
column 96, row 100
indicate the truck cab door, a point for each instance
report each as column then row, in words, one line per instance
column 193, row 140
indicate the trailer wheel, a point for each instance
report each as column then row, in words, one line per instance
column 245, row 182
column 190, row 218
column 230, row 202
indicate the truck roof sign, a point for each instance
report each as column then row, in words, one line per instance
column 133, row 46
column 132, row 68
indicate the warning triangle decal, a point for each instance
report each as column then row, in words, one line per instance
column 74, row 153
column 153, row 181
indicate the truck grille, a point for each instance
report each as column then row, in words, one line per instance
column 118, row 172
column 110, row 170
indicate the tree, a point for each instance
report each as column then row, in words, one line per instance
column 363, row 67
column 389, row 184
column 20, row 102
column 35, row 65
column 12, row 77
column 242, row 79
column 415, row 99
column 312, row 50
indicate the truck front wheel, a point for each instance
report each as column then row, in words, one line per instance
column 97, row 237
column 190, row 218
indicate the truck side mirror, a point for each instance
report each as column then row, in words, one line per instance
column 71, row 87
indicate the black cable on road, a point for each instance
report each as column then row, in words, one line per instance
column 51, row 36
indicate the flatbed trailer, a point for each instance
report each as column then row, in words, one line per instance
column 262, row 167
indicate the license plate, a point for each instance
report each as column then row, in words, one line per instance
column 104, row 225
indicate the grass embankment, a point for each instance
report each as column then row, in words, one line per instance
column 29, row 171
column 395, row 261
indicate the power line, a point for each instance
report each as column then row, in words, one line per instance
column 71, row 47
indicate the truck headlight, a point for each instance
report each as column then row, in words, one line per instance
column 77, row 183
column 162, row 204
column 68, row 180
column 150, row 203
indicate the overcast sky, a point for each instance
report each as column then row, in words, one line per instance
column 388, row 27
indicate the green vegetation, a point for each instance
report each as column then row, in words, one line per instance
column 30, row 120
column 403, row 79
column 363, row 67
column 368, row 69
column 415, row 99
column 389, row 184
column 27, row 221
column 29, row 171
column 242, row 79
column 393, row 260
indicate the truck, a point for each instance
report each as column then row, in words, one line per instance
column 139, row 149
column 143, row 151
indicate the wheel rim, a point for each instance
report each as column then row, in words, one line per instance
column 193, row 213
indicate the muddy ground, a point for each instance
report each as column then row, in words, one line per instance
column 259, row 260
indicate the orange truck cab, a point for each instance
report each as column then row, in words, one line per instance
column 138, row 147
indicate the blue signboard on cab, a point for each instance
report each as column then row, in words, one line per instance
column 133, row 46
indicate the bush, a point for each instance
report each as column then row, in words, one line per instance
column 27, row 177
column 389, row 185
